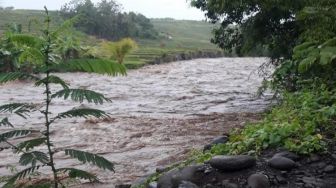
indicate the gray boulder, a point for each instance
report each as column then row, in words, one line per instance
column 232, row 163
column 258, row 181
column 187, row 184
column 282, row 163
column 288, row 155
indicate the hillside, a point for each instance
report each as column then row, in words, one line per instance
column 175, row 36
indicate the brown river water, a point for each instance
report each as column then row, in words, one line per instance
column 159, row 113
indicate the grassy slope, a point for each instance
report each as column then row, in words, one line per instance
column 187, row 36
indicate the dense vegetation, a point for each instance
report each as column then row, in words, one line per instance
column 106, row 20
column 43, row 53
column 300, row 35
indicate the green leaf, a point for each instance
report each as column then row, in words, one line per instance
column 21, row 175
column 53, row 80
column 30, row 144
column 26, row 40
column 92, row 66
column 33, row 157
column 31, row 55
column 328, row 43
column 84, row 112
column 12, row 76
column 5, row 122
column 13, row 134
column 306, row 64
column 94, row 159
column 76, row 173
column 20, row 109
column 79, row 95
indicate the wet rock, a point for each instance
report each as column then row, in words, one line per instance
column 282, row 163
column 333, row 156
column 232, row 163
column 312, row 182
column 219, row 140
column 314, row 158
column 165, row 181
column 187, row 184
column 258, row 181
column 329, row 169
column 176, row 177
column 160, row 169
column 190, row 173
column 123, row 186
column 228, row 184
column 153, row 185
column 288, row 155
column 281, row 180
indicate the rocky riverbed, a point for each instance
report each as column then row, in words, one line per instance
column 159, row 114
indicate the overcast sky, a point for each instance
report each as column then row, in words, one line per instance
column 178, row 9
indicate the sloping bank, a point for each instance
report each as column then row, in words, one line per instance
column 291, row 147
column 168, row 57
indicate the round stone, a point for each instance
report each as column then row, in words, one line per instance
column 232, row 163
column 258, row 181
column 282, row 163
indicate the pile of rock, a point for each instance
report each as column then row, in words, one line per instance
column 272, row 169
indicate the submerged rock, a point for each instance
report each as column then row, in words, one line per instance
column 219, row 140
column 258, row 181
column 187, row 184
column 329, row 169
column 232, row 163
column 288, row 155
column 282, row 163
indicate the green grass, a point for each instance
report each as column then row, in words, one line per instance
column 186, row 36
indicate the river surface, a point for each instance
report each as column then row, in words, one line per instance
column 159, row 113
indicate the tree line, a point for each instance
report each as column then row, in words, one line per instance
column 106, row 20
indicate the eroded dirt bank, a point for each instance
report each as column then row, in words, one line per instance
column 159, row 113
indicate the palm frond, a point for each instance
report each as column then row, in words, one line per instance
column 54, row 80
column 26, row 40
column 20, row 109
column 12, row 76
column 94, row 159
column 20, row 175
column 91, row 66
column 83, row 112
column 13, row 134
column 30, row 144
column 33, row 157
column 5, row 122
column 76, row 173
column 79, row 95
column 31, row 55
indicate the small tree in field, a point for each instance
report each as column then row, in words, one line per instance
column 41, row 51
column 117, row 50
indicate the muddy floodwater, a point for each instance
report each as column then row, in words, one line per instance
column 159, row 113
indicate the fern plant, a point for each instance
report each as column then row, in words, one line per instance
column 42, row 51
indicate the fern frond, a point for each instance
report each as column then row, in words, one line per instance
column 20, row 109
column 20, row 175
column 5, row 122
column 92, row 66
column 33, row 157
column 31, row 55
column 30, row 144
column 76, row 173
column 79, row 95
column 12, row 76
column 54, row 80
column 94, row 159
column 13, row 134
column 84, row 112
column 26, row 40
